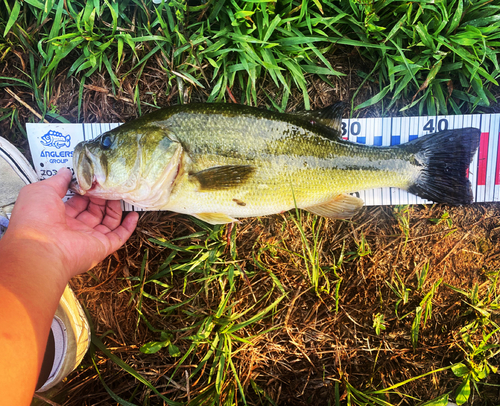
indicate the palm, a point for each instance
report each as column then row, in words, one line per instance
column 79, row 233
column 95, row 226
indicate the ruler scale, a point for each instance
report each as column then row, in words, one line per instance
column 412, row 135
column 484, row 170
column 491, row 166
column 473, row 121
column 403, row 137
column 374, row 137
column 482, row 160
column 422, row 121
column 394, row 139
column 496, row 195
column 386, row 141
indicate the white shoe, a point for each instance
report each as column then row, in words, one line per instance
column 69, row 337
column 68, row 342
column 15, row 172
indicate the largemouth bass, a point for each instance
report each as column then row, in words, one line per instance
column 220, row 162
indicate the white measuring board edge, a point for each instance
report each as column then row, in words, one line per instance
column 52, row 147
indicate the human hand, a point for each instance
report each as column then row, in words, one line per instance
column 77, row 234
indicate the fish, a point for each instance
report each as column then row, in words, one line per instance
column 222, row 162
column 55, row 139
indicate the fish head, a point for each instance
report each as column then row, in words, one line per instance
column 136, row 163
column 46, row 139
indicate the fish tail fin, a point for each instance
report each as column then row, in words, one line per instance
column 67, row 140
column 445, row 158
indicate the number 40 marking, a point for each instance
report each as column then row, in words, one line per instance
column 442, row 125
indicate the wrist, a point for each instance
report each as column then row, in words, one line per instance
column 37, row 257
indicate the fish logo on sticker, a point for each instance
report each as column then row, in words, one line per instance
column 56, row 139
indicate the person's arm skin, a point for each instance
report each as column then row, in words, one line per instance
column 47, row 243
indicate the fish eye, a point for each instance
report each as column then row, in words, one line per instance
column 107, row 141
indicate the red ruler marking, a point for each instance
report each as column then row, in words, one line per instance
column 483, row 158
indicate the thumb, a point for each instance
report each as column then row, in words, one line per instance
column 60, row 181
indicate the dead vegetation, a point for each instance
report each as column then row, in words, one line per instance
column 310, row 345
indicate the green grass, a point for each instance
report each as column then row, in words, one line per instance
column 214, row 334
column 438, row 54
column 379, row 397
column 402, row 214
column 206, row 308
column 401, row 291
column 311, row 252
column 423, row 309
column 478, row 339
column 479, row 350
column 441, row 56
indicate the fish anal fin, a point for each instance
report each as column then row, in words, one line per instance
column 341, row 207
column 223, row 177
column 330, row 117
column 214, row 218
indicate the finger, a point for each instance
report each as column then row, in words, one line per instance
column 127, row 227
column 113, row 216
column 129, row 223
column 98, row 200
column 76, row 205
column 60, row 181
column 121, row 234
column 93, row 215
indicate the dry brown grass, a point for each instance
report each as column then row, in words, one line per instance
column 311, row 346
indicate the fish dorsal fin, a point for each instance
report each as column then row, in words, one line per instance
column 330, row 117
column 223, row 177
column 214, row 218
column 341, row 207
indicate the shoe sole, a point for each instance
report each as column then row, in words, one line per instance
column 17, row 161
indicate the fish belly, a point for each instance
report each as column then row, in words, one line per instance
column 278, row 185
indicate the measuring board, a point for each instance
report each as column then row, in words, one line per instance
column 52, row 147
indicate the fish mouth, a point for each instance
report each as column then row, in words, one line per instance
column 86, row 179
column 75, row 186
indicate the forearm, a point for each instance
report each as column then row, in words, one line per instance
column 31, row 283
column 47, row 243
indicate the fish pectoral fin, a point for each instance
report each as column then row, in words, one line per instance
column 341, row 207
column 223, row 177
column 214, row 218
column 330, row 116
